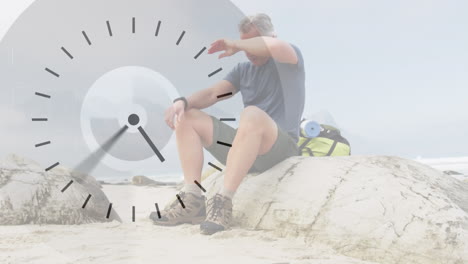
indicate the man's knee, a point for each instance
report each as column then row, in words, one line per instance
column 256, row 123
column 253, row 120
column 253, row 113
column 200, row 122
column 190, row 118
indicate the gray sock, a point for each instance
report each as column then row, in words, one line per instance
column 192, row 188
column 227, row 193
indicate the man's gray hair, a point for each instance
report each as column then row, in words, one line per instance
column 262, row 22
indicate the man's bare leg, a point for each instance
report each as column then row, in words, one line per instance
column 193, row 133
column 256, row 135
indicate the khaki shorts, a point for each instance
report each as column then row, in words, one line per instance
column 283, row 148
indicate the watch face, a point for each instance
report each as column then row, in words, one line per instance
column 85, row 84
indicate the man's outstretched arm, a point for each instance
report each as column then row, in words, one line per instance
column 278, row 49
column 208, row 97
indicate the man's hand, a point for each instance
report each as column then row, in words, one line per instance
column 226, row 45
column 174, row 113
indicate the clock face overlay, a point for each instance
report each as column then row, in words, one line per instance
column 85, row 84
column 80, row 74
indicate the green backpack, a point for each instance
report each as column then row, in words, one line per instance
column 328, row 143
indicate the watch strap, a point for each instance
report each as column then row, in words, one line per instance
column 182, row 99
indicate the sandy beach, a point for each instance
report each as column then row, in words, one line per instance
column 143, row 242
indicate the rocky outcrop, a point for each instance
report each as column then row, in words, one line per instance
column 382, row 209
column 30, row 195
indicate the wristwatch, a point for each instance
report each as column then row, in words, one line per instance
column 182, row 99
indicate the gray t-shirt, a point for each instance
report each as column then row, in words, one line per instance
column 276, row 88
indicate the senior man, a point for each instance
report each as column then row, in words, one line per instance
column 272, row 86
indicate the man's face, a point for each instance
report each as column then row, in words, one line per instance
column 256, row 60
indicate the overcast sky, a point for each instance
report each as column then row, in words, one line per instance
column 393, row 74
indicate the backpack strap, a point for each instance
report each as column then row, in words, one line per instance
column 332, row 148
column 301, row 147
column 310, row 152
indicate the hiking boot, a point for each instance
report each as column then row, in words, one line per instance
column 219, row 215
column 193, row 213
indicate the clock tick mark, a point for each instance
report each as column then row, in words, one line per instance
column 157, row 210
column 133, row 25
column 133, row 213
column 42, row 95
column 42, row 144
column 200, row 53
column 52, row 72
column 224, row 95
column 109, row 29
column 52, row 166
column 180, row 38
column 86, row 37
column 157, row 28
column 86, row 201
column 180, row 201
column 215, row 72
column 67, row 53
column 227, row 119
column 109, row 210
column 200, row 186
column 40, row 119
column 224, row 144
column 66, row 186
column 214, row 166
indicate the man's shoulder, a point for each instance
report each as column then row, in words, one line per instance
column 300, row 57
column 294, row 45
column 296, row 48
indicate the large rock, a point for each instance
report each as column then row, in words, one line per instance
column 382, row 209
column 30, row 195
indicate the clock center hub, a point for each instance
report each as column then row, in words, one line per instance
column 133, row 119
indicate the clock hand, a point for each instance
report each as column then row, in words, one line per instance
column 153, row 147
column 89, row 164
